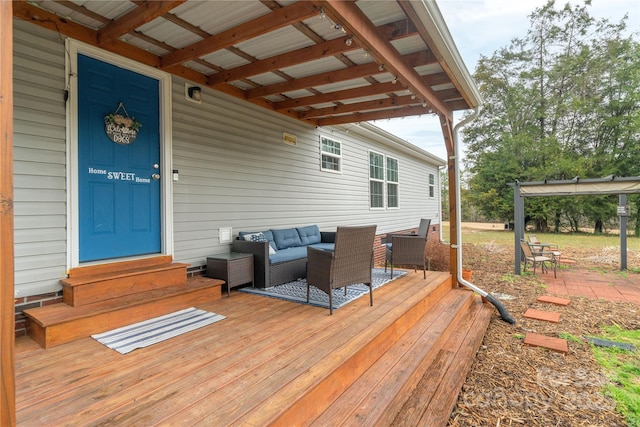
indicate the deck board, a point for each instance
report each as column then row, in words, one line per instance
column 242, row 370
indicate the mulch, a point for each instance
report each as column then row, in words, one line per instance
column 511, row 383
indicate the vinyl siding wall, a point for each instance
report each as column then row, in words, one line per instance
column 234, row 170
column 40, row 199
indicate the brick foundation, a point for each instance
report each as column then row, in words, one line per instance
column 32, row 301
column 437, row 253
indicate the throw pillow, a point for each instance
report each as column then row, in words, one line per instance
column 258, row 237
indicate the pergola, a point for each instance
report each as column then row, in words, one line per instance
column 573, row 187
column 325, row 62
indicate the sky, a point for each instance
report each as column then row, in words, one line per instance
column 481, row 27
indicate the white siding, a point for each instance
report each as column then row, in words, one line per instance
column 39, row 160
column 235, row 171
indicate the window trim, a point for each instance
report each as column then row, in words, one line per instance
column 384, row 180
column 389, row 182
column 333, row 155
column 432, row 186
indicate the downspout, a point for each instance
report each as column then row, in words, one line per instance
column 442, row 241
column 504, row 314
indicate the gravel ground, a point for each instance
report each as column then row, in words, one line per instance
column 513, row 384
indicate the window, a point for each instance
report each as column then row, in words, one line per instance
column 383, row 180
column 432, row 185
column 330, row 155
column 392, row 182
column 376, row 180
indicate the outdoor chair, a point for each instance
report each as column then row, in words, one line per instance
column 408, row 249
column 349, row 263
column 544, row 249
column 537, row 258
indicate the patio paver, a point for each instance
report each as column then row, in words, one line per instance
column 610, row 286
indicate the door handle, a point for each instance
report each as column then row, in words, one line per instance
column 155, row 176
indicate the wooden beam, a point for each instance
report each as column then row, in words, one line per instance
column 358, row 92
column 144, row 13
column 7, row 302
column 299, row 56
column 447, row 132
column 409, row 10
column 378, row 104
column 349, row 15
column 344, row 74
column 81, row 33
column 270, row 22
column 367, row 117
column 84, row 11
column 393, row 31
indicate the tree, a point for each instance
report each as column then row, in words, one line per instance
column 561, row 102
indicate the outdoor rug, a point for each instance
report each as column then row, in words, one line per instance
column 297, row 290
column 152, row 331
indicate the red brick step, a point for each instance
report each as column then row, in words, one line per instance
column 532, row 313
column 556, row 344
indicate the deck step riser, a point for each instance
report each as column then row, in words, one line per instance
column 324, row 394
column 92, row 289
column 379, row 394
column 75, row 329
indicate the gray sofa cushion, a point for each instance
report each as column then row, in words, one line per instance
column 286, row 238
column 309, row 234
column 288, row 254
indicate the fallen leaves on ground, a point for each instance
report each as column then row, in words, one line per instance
column 514, row 384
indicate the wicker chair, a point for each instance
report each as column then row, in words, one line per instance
column 408, row 249
column 350, row 263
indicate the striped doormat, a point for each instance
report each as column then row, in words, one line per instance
column 152, row 331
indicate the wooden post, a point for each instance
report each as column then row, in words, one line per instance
column 7, row 322
column 447, row 132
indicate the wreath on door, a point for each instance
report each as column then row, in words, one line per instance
column 120, row 128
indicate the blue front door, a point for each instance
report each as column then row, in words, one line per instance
column 119, row 196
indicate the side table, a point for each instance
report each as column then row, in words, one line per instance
column 234, row 268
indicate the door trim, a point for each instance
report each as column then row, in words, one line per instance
column 73, row 48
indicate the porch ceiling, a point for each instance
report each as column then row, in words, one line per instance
column 322, row 62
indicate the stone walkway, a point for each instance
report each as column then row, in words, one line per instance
column 610, row 286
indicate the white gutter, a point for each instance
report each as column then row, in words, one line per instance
column 504, row 314
column 442, row 241
column 446, row 49
column 456, row 167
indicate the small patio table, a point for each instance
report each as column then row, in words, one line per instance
column 235, row 268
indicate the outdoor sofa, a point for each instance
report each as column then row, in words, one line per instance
column 280, row 255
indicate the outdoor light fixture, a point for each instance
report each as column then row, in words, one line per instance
column 349, row 41
column 193, row 93
column 381, row 67
column 395, row 80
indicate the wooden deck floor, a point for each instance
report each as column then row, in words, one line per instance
column 270, row 362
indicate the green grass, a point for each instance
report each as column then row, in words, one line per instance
column 622, row 367
column 582, row 240
column 569, row 337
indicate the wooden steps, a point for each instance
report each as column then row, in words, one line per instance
column 274, row 362
column 87, row 285
column 369, row 381
column 103, row 297
column 380, row 393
